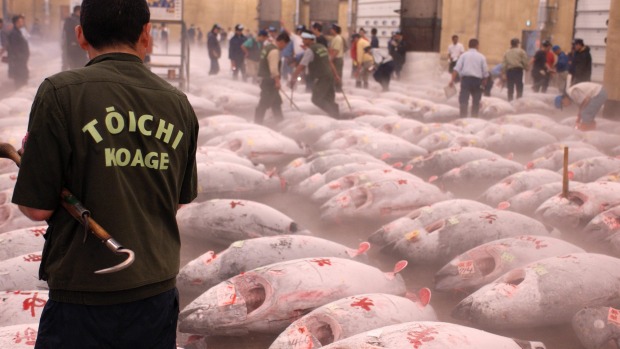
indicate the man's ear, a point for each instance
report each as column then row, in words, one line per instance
column 79, row 34
column 145, row 36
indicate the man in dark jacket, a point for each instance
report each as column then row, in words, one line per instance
column 215, row 51
column 581, row 68
column 396, row 49
column 74, row 56
column 18, row 53
column 236, row 54
column 540, row 70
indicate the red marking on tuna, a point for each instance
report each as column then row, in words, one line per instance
column 33, row 258
column 400, row 266
column 234, row 204
column 364, row 303
column 386, row 156
column 431, row 179
column 211, row 257
column 613, row 316
column 32, row 303
column 29, row 337
column 322, row 262
column 490, row 218
column 530, row 165
column 419, row 337
column 408, row 168
column 402, row 181
column 613, row 223
column 537, row 243
column 571, row 175
column 13, row 177
column 398, row 165
column 38, row 231
column 197, row 281
column 301, row 330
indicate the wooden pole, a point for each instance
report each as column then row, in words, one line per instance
column 565, row 174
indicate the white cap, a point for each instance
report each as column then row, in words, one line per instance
column 306, row 35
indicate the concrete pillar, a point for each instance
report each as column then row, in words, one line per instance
column 612, row 63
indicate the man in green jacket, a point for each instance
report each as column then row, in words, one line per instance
column 322, row 70
column 123, row 141
column 269, row 73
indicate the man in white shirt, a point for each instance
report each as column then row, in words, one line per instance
column 455, row 50
column 590, row 97
column 473, row 70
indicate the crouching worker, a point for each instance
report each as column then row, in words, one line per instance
column 383, row 68
column 590, row 97
column 269, row 74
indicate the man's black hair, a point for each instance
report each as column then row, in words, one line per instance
column 283, row 37
column 473, row 43
column 16, row 18
column 113, row 22
column 318, row 26
column 373, row 31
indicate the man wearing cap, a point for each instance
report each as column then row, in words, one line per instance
column 590, row 97
column 582, row 63
column 541, row 72
column 236, row 54
column 396, row 48
column 473, row 70
column 252, row 49
column 514, row 63
column 336, row 50
column 215, row 51
column 322, row 71
column 561, row 68
column 273, row 34
column 269, row 73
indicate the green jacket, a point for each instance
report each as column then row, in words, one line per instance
column 123, row 141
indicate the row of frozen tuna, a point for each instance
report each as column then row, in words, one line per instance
column 267, row 298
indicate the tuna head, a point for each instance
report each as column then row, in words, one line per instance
column 347, row 204
column 471, row 270
column 506, row 298
column 598, row 327
column 312, row 331
column 226, row 307
column 563, row 212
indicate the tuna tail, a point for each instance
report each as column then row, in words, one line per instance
column 503, row 205
column 529, row 345
column 397, row 269
column 363, row 248
column 423, row 298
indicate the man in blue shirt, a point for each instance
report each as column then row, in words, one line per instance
column 561, row 68
column 473, row 70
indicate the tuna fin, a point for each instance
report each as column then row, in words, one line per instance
column 504, row 205
column 272, row 172
column 397, row 269
column 431, row 179
column 425, row 296
column 363, row 248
